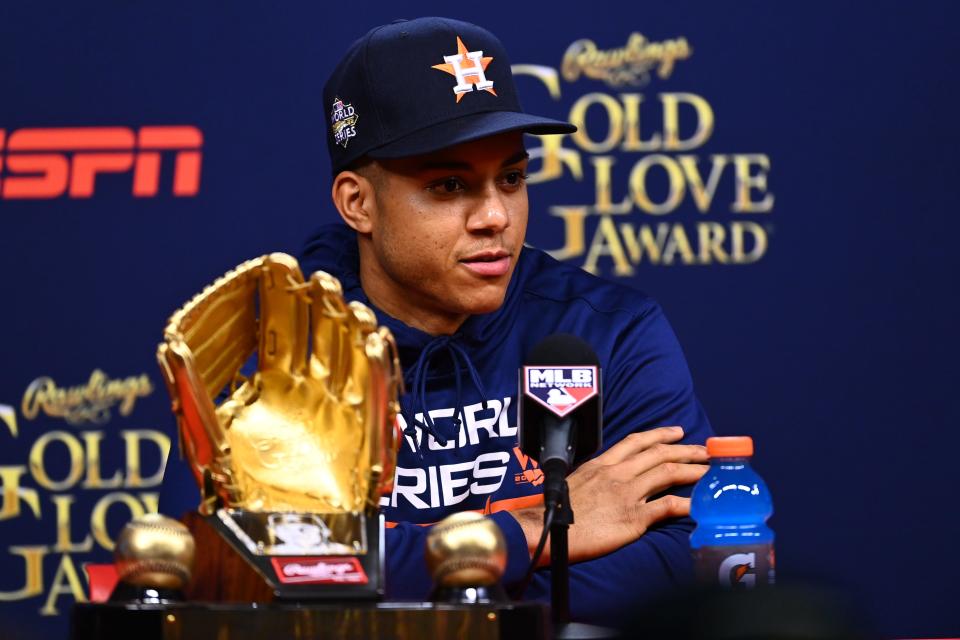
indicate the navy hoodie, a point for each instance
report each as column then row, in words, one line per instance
column 444, row 466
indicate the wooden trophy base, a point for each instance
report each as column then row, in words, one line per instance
column 347, row 621
column 229, row 569
column 220, row 574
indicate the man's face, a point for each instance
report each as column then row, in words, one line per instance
column 446, row 230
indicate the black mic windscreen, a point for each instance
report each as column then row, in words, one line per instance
column 560, row 381
column 562, row 349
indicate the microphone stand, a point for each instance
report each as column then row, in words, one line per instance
column 560, row 559
column 556, row 485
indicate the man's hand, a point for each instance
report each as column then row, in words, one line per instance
column 610, row 495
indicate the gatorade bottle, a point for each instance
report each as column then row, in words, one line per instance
column 732, row 544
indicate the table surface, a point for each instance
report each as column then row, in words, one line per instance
column 400, row 620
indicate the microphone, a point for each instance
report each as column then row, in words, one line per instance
column 560, row 415
column 560, row 427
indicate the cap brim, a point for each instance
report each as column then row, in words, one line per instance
column 466, row 129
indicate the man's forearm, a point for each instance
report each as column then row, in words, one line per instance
column 611, row 494
column 531, row 521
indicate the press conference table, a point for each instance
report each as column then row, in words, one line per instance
column 400, row 620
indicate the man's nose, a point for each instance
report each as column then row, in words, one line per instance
column 490, row 214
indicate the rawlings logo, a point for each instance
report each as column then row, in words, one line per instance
column 627, row 65
column 334, row 571
column 90, row 402
column 319, row 570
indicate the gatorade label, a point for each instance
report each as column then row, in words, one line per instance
column 735, row 567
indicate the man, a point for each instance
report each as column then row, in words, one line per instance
column 426, row 144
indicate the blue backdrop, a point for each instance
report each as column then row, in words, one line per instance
column 796, row 220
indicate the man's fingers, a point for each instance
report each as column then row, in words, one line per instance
column 639, row 441
column 283, row 316
column 666, row 476
column 658, row 454
column 668, row 506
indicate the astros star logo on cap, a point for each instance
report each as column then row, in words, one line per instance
column 468, row 68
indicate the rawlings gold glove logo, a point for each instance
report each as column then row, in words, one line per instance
column 627, row 65
column 90, row 402
column 643, row 182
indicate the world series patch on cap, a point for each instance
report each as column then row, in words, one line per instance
column 416, row 86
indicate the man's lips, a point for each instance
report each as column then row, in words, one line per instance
column 488, row 263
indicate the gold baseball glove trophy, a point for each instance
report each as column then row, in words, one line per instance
column 292, row 461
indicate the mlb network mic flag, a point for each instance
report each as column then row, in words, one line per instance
column 560, row 389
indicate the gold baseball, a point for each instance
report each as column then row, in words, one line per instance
column 155, row 551
column 466, row 550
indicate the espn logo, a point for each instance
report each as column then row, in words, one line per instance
column 46, row 163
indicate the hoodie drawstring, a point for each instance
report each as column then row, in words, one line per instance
column 418, row 389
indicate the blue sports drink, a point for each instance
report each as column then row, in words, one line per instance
column 732, row 544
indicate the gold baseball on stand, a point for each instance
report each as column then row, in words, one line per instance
column 154, row 551
column 466, row 550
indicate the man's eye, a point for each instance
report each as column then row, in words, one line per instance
column 514, row 178
column 447, row 186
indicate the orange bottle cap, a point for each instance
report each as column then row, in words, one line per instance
column 730, row 447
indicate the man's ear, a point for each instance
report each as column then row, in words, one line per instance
column 354, row 198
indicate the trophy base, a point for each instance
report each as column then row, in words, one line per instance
column 237, row 562
column 125, row 592
column 348, row 621
column 470, row 595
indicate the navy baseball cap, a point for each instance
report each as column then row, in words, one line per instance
column 417, row 86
